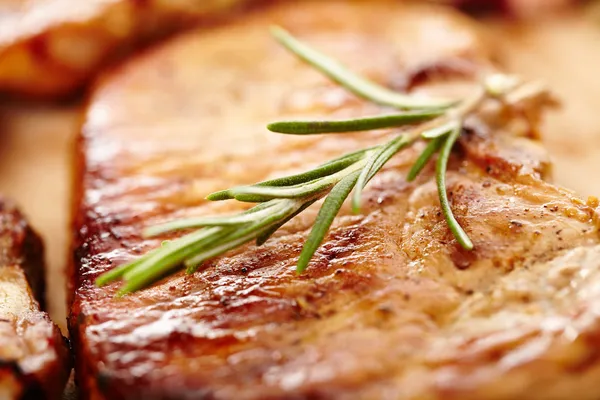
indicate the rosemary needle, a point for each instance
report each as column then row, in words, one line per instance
column 325, row 217
column 432, row 147
column 188, row 223
column 440, row 175
column 375, row 163
column 358, row 85
column 353, row 125
column 279, row 200
column 264, row 236
column 436, row 135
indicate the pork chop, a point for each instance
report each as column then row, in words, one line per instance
column 34, row 361
column 391, row 307
column 50, row 48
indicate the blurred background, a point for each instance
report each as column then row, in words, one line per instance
column 557, row 41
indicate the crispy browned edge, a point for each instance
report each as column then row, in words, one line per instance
column 26, row 250
column 77, row 85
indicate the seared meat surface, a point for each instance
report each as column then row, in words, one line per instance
column 391, row 307
column 50, row 48
column 34, row 362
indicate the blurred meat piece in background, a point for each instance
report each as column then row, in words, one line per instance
column 34, row 358
column 51, row 48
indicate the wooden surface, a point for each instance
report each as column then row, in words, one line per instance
column 36, row 141
column 35, row 146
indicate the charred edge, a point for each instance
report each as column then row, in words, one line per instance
column 32, row 390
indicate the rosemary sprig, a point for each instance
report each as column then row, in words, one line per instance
column 439, row 122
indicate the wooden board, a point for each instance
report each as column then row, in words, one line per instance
column 36, row 142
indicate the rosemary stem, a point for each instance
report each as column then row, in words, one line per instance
column 226, row 220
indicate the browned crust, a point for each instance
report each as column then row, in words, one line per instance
column 25, row 248
column 43, row 363
column 31, row 67
column 49, row 380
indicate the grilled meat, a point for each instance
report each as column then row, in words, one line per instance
column 34, row 362
column 391, row 306
column 50, row 48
